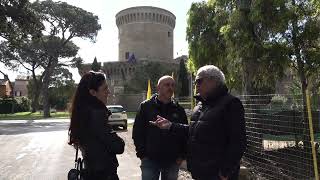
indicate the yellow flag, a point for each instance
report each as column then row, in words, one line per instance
column 149, row 90
column 173, row 79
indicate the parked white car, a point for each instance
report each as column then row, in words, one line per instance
column 119, row 116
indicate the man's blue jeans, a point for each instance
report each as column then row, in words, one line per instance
column 151, row 170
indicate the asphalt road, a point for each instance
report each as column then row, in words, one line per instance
column 39, row 150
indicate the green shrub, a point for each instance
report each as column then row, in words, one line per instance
column 7, row 105
column 279, row 103
column 13, row 105
column 24, row 104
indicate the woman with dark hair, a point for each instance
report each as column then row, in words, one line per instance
column 89, row 130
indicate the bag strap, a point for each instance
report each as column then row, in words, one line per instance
column 76, row 159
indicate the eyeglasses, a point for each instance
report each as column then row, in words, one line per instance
column 198, row 81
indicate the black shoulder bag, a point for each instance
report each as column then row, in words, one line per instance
column 77, row 172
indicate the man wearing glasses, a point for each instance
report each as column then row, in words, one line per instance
column 216, row 134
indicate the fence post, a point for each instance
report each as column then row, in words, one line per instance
column 314, row 153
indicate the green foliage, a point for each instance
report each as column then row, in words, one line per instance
column 278, row 99
column 18, row 21
column 13, row 105
column 61, row 89
column 149, row 70
column 190, row 66
column 6, row 105
column 207, row 24
column 249, row 43
column 95, row 66
column 45, row 54
column 279, row 103
column 205, row 42
column 23, row 104
column 67, row 21
column 77, row 62
column 33, row 116
column 183, row 83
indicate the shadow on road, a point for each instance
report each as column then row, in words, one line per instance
column 31, row 126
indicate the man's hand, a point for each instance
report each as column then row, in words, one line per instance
column 222, row 177
column 161, row 123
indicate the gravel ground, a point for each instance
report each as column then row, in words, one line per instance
column 129, row 164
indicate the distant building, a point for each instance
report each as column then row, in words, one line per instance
column 145, row 35
column 5, row 89
column 21, row 86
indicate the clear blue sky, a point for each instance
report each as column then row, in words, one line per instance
column 106, row 47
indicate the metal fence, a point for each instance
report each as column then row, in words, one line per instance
column 279, row 137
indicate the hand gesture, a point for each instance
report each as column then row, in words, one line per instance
column 161, row 123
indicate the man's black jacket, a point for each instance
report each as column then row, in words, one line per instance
column 217, row 135
column 155, row 143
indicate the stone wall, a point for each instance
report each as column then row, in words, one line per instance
column 130, row 102
column 146, row 32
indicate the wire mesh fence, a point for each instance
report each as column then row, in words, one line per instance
column 279, row 136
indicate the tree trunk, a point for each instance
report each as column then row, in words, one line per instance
column 304, row 85
column 35, row 92
column 306, row 130
column 45, row 86
column 46, row 104
column 254, row 131
column 35, row 102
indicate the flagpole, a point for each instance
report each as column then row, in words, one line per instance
column 191, row 91
column 172, row 75
column 149, row 90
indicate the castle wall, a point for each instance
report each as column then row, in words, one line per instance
column 147, row 32
column 130, row 102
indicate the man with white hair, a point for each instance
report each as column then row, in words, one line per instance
column 160, row 152
column 216, row 134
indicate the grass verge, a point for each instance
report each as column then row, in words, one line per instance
column 33, row 116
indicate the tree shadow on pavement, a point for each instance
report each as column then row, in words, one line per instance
column 31, row 126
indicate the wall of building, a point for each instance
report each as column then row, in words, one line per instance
column 3, row 91
column 20, row 87
column 130, row 102
column 147, row 32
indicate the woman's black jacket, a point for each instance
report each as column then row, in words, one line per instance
column 98, row 142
